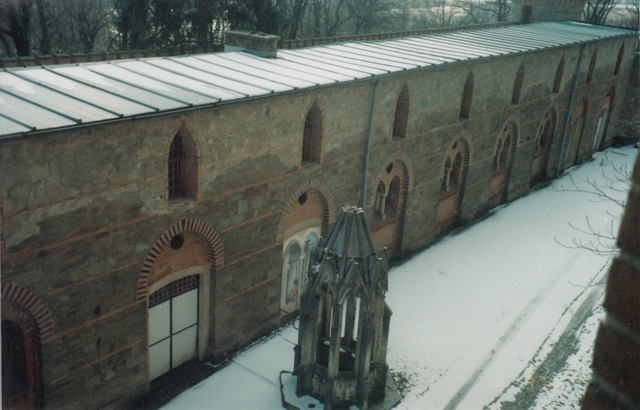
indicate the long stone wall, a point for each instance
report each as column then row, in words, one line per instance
column 84, row 211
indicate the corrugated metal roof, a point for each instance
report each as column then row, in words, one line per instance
column 34, row 99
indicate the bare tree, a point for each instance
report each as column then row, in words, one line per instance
column 369, row 15
column 325, row 18
column 597, row 11
column 478, row 12
column 617, row 181
column 87, row 18
column 15, row 22
column 434, row 13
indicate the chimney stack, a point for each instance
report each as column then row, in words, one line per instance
column 253, row 42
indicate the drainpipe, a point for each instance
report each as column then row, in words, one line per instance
column 367, row 151
column 566, row 123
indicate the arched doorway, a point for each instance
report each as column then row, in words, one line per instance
column 21, row 363
column 546, row 132
column 177, row 289
column 456, row 163
column 304, row 221
column 502, row 164
column 389, row 207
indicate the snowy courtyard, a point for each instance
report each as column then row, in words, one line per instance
column 502, row 314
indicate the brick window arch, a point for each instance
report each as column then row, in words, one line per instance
column 467, row 97
column 312, row 136
column 182, row 172
column 592, row 66
column 455, row 166
column 616, row 69
column 401, row 117
column 545, row 134
column 559, row 73
column 502, row 163
column 517, row 86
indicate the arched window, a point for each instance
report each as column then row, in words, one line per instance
column 467, row 97
column 559, row 73
column 592, row 66
column 14, row 362
column 292, row 272
column 456, row 171
column 544, row 136
column 393, row 197
column 312, row 136
column 378, row 208
column 177, row 169
column 517, row 86
column 502, row 156
column 616, row 70
column 401, row 117
column 309, row 245
column 182, row 166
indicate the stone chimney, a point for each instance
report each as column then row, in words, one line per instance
column 253, row 42
column 536, row 11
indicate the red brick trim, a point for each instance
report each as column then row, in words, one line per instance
column 34, row 305
column 216, row 254
column 328, row 204
column 515, row 121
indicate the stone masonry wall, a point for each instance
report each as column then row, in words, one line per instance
column 82, row 210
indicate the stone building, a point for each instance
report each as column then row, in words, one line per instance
column 155, row 211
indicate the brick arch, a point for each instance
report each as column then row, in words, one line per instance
column 466, row 139
column 554, row 109
column 515, row 122
column 193, row 153
column 216, row 255
column 407, row 174
column 328, row 204
column 43, row 322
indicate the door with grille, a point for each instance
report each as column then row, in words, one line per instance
column 173, row 325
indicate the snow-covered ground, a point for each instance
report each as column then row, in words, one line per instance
column 498, row 314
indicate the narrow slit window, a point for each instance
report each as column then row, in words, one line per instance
column 312, row 136
column 592, row 66
column 557, row 82
column 517, row 86
column 467, row 97
column 177, row 169
column 616, row 69
column 401, row 117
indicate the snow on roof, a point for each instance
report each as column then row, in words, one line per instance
column 53, row 97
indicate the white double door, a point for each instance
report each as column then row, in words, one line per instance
column 173, row 329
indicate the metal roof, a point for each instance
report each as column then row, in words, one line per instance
column 50, row 97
